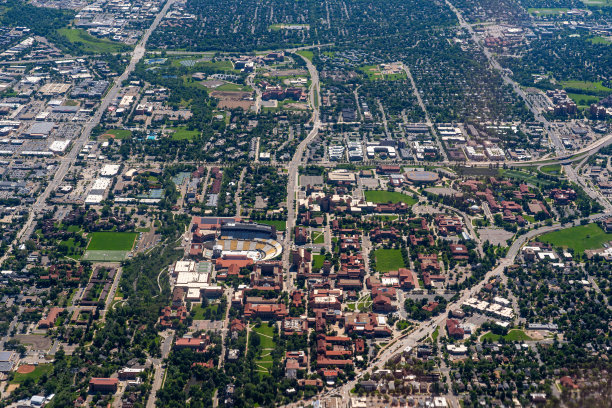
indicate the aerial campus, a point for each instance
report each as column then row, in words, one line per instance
column 296, row 203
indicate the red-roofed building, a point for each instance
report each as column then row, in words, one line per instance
column 382, row 304
column 277, row 311
column 367, row 324
column 405, row 279
column 389, row 292
column 236, row 325
column 428, row 278
column 296, row 298
column 359, row 346
column 49, row 321
column 459, row 251
column 378, row 234
column 301, row 235
column 242, row 261
column 511, row 206
column 208, row 364
column 327, row 362
column 562, row 196
column 429, row 262
column 170, row 318
column 567, row 382
column 211, row 223
column 103, row 385
column 388, row 169
column 349, row 284
column 198, row 344
column 310, row 383
column 447, row 224
column 299, row 256
column 398, row 208
column 431, row 306
column 453, row 329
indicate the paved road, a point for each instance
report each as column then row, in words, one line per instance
column 257, row 105
column 426, row 328
column 298, row 159
column 554, row 136
column 428, row 121
column 226, row 325
column 68, row 160
column 237, row 196
column 158, row 377
column 111, row 293
column 43, row 60
column 596, row 195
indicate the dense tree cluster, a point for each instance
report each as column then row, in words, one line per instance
column 249, row 25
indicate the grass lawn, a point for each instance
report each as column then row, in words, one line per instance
column 579, row 238
column 118, row 133
column 587, row 86
column 90, row 44
column 280, row 225
column 513, row 335
column 35, row 375
column 112, row 241
column 69, row 243
column 396, row 77
column 529, row 218
column 196, row 62
column 217, row 65
column 553, row 169
column 582, row 99
column 386, row 218
column 277, row 27
column 546, row 11
column 382, row 197
column 388, row 260
column 309, row 55
column 197, row 311
column 364, row 304
column 597, row 3
column 600, row 40
column 402, row 324
column 318, row 237
column 264, row 365
column 266, row 333
column 372, row 71
column 182, row 133
column 434, row 335
column 317, row 261
column 523, row 176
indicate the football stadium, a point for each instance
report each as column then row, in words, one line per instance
column 233, row 237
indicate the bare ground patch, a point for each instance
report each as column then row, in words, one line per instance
column 26, row 368
column 37, row 342
column 232, row 100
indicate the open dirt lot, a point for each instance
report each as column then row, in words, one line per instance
column 26, row 368
column 286, row 72
column 232, row 100
column 37, row 342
